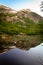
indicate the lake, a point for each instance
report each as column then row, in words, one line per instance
column 23, row 56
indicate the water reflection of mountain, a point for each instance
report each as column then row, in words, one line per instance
column 22, row 42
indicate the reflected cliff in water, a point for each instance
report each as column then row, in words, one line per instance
column 19, row 41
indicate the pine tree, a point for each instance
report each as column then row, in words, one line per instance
column 41, row 6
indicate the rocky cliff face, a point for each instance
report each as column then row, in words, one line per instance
column 5, row 9
column 19, row 15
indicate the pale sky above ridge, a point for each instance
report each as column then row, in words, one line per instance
column 33, row 5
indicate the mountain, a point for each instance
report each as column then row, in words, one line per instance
column 29, row 14
column 19, row 22
column 17, row 15
column 23, row 28
column 25, row 12
column 5, row 9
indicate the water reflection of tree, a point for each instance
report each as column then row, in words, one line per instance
column 40, row 59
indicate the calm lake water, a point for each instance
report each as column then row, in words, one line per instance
column 17, row 56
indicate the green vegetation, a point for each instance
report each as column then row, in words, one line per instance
column 11, row 28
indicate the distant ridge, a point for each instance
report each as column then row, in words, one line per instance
column 4, row 8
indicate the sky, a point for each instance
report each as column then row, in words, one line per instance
column 33, row 5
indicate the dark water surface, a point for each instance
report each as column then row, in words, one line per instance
column 16, row 56
column 28, row 51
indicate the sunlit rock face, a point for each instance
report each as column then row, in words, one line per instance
column 19, row 41
column 6, row 9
